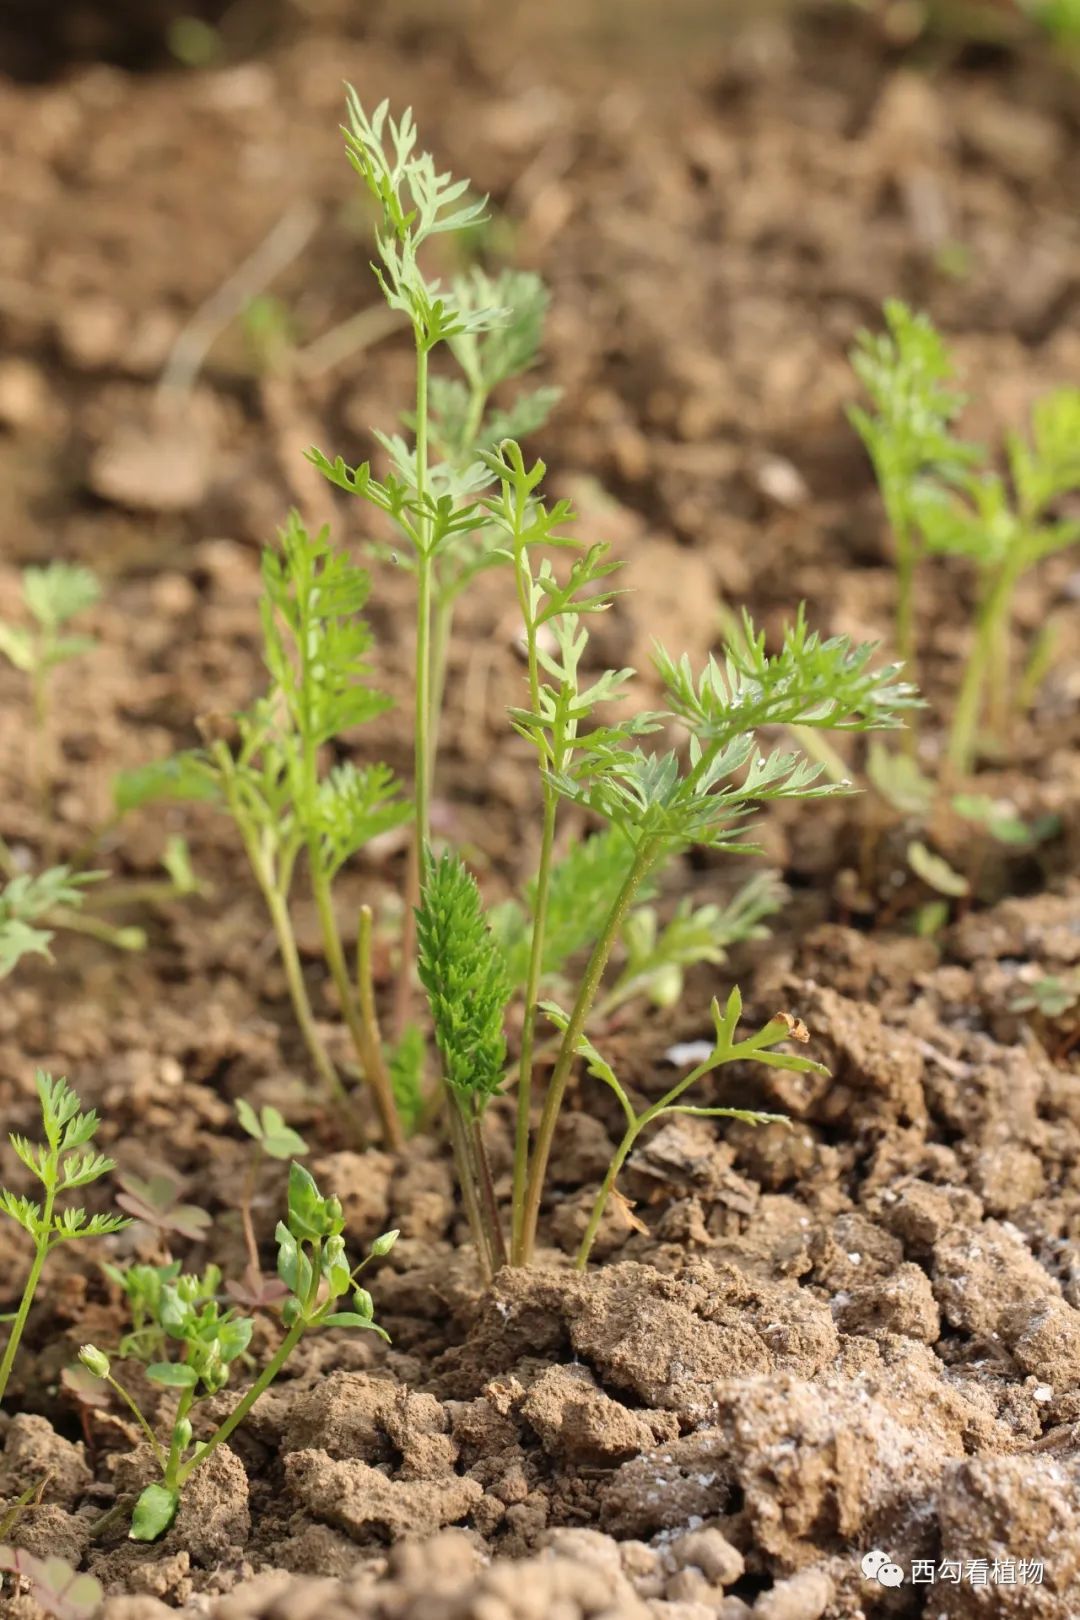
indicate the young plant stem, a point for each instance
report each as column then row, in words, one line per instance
column 247, row 1198
column 528, row 1032
column 648, row 853
column 264, row 1380
column 133, row 1405
column 403, row 991
column 422, row 745
column 489, row 1204
column 83, row 922
column 907, row 559
column 523, row 582
column 43, row 741
column 442, row 625
column 622, row 1152
column 969, row 703
column 277, row 906
column 365, row 986
column 644, row 859
column 468, row 1180
column 176, row 1449
column 364, row 1039
column 41, row 1250
column 636, row 1123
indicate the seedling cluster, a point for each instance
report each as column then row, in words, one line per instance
column 519, row 996
column 184, row 1313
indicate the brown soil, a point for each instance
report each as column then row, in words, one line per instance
column 864, row 1332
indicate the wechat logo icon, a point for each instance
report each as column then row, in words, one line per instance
column 878, row 1566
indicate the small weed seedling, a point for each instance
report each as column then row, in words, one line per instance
column 1005, row 528
column 758, row 1048
column 62, row 1163
column 58, row 1590
column 272, row 1139
column 32, row 907
column 53, row 596
column 157, row 1203
column 316, row 1272
column 938, row 501
column 265, row 769
column 907, row 372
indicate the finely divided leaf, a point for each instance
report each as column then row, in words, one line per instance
column 462, row 970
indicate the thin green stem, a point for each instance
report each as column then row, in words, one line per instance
column 590, row 983
column 247, row 1199
column 528, row 1032
column 489, row 1204
column 440, row 646
column 173, row 1469
column 130, row 1401
column 364, row 1038
column 41, row 1250
column 523, row 583
column 422, row 742
column 246, row 1401
column 621, row 1154
column 83, row 922
column 43, row 752
column 277, row 906
column 467, row 1181
column 423, row 613
column 969, row 703
column 907, row 560
column 638, row 1122
column 265, row 1378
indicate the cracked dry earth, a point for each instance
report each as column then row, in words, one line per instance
column 860, row 1333
column 798, row 1344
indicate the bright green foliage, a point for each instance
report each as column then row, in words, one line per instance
column 64, row 1162
column 30, row 900
column 492, row 327
column 207, row 1340
column 657, row 957
column 1005, row 527
column 416, row 202
column 316, row 645
column 406, row 1065
column 1060, row 18
column 270, row 775
column 53, row 595
column 142, row 1287
column 462, row 970
column 757, row 1048
column 655, row 803
column 584, row 884
column 907, row 373
column 939, row 502
column 656, row 799
column 268, row 1128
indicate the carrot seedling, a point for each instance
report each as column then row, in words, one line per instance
column 654, row 804
column 266, row 768
column 208, row 1340
column 62, row 1163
